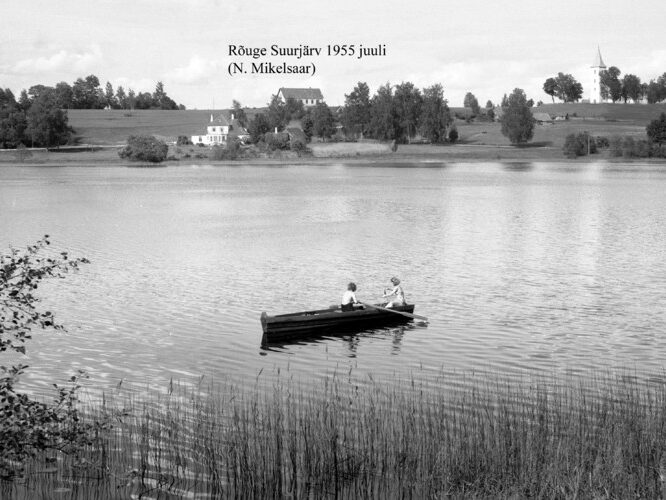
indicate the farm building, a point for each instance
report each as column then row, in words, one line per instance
column 309, row 97
column 219, row 130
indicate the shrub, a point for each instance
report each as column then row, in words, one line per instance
column 144, row 148
column 579, row 145
column 279, row 140
column 628, row 147
column 453, row 134
column 183, row 141
column 602, row 142
column 573, row 147
column 656, row 130
column 658, row 150
column 642, row 149
column 299, row 146
column 230, row 152
column 616, row 146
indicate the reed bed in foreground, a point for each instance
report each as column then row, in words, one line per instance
column 604, row 437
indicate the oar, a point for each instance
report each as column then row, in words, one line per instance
column 409, row 315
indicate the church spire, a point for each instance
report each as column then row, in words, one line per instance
column 598, row 61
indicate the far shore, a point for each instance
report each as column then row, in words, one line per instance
column 324, row 154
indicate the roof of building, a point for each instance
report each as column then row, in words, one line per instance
column 542, row 117
column 308, row 93
column 598, row 61
column 220, row 120
column 296, row 133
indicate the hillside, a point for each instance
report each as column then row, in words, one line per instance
column 112, row 127
column 622, row 112
column 98, row 126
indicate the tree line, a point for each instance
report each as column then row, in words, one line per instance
column 630, row 87
column 39, row 116
column 394, row 113
column 567, row 89
column 87, row 93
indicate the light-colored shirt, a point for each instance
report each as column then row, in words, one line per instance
column 399, row 294
column 349, row 297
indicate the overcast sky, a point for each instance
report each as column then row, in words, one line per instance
column 486, row 47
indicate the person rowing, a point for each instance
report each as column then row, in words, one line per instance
column 395, row 295
column 349, row 298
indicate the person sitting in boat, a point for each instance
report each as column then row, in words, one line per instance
column 395, row 295
column 349, row 298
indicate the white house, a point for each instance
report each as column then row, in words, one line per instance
column 219, row 130
column 595, row 85
column 309, row 97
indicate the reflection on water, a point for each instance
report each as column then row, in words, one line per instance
column 520, row 267
column 353, row 340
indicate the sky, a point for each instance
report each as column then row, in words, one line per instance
column 484, row 47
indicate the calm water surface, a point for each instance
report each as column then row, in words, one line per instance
column 520, row 267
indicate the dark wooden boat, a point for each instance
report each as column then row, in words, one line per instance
column 303, row 324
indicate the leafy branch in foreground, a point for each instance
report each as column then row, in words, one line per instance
column 27, row 426
column 20, row 275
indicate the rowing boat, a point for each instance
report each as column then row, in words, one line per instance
column 306, row 323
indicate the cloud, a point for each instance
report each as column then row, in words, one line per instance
column 59, row 61
column 198, row 70
column 138, row 85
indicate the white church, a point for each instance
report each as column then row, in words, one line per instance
column 595, row 86
column 594, row 94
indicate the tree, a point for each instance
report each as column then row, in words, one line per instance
column 47, row 123
column 239, row 113
column 489, row 104
column 121, row 97
column 453, row 134
column 517, row 120
column 143, row 101
column 631, row 88
column 87, row 93
column 435, row 115
column 24, row 101
column 470, row 101
column 656, row 130
column 609, row 84
column 294, row 109
column 131, row 99
column 407, row 102
column 31, row 426
column 160, row 99
column 505, row 101
column 322, row 121
column 550, row 87
column 568, row 89
column 258, row 127
column 277, row 113
column 110, row 97
column 37, row 90
column 307, row 125
column 64, row 95
column 383, row 119
column 13, row 124
column 356, row 113
column 144, row 148
column 159, row 95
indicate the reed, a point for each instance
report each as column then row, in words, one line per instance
column 426, row 437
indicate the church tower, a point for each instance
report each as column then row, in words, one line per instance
column 595, row 85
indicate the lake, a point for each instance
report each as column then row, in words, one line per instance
column 520, row 267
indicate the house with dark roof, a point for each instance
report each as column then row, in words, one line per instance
column 220, row 130
column 309, row 97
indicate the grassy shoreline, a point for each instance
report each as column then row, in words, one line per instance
column 417, row 155
column 544, row 437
